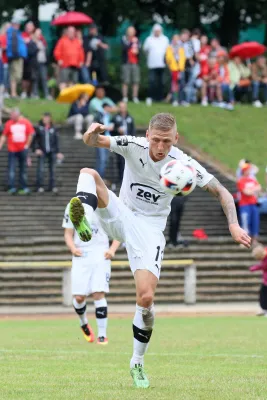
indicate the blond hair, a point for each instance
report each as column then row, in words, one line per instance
column 163, row 122
column 259, row 252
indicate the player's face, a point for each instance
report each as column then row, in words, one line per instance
column 160, row 143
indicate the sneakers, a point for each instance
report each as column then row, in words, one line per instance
column 136, row 100
column 40, row 190
column 125, row 99
column 12, row 191
column 175, row 103
column 24, row 192
column 204, row 103
column 88, row 333
column 78, row 136
column 103, row 341
column 139, row 377
column 149, row 101
column 257, row 104
column 79, row 220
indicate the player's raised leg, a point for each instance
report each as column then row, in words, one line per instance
column 143, row 323
column 101, row 314
column 91, row 193
column 79, row 304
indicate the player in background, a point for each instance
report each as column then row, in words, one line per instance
column 90, row 274
column 138, row 217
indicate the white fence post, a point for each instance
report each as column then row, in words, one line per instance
column 66, row 287
column 190, row 284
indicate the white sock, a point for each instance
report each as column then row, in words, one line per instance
column 86, row 191
column 143, row 323
column 101, row 313
column 80, row 309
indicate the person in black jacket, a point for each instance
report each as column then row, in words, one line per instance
column 46, row 147
column 123, row 125
column 79, row 115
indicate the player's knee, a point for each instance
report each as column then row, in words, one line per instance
column 79, row 299
column 90, row 171
column 98, row 295
column 146, row 299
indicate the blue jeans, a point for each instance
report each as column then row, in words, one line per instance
column 1, row 73
column 21, row 156
column 256, row 85
column 102, row 157
column 50, row 157
column 41, row 77
column 228, row 92
column 6, row 76
column 190, row 90
column 250, row 219
column 84, row 75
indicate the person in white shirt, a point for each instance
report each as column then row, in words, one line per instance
column 138, row 217
column 155, row 47
column 90, row 274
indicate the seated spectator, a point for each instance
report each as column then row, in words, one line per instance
column 224, row 79
column 130, row 64
column 175, row 60
column 211, row 83
column 41, row 66
column 97, row 102
column 79, row 115
column 215, row 47
column 16, row 51
column 260, row 254
column 239, row 77
column 123, row 125
column 46, row 147
column 104, row 117
column 69, row 55
column 249, row 188
column 259, row 80
column 18, row 132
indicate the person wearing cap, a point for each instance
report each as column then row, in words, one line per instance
column 155, row 47
column 249, row 188
column 46, row 147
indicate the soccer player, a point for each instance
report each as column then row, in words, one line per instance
column 90, row 274
column 138, row 217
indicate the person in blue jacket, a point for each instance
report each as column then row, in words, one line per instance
column 79, row 115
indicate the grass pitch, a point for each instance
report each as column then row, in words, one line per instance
column 203, row 358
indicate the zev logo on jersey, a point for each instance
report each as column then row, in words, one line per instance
column 147, row 193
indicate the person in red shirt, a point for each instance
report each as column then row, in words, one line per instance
column 3, row 45
column 260, row 253
column 249, row 189
column 211, row 82
column 18, row 133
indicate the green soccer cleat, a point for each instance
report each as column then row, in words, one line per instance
column 139, row 377
column 79, row 220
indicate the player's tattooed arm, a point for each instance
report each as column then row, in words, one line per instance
column 93, row 138
column 225, row 198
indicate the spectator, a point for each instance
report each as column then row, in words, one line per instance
column 3, row 46
column 211, row 83
column 16, row 51
column 30, row 63
column 104, row 117
column 41, row 66
column 215, row 47
column 79, row 115
column 98, row 101
column 249, row 188
column 84, row 75
column 239, row 77
column 224, row 79
column 252, row 171
column 123, row 125
column 95, row 50
column 69, row 55
column 192, row 68
column 46, row 147
column 260, row 254
column 155, row 47
column 175, row 60
column 259, row 80
column 18, row 132
column 130, row 64
column 177, row 209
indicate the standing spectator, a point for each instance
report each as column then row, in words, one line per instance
column 239, row 77
column 79, row 115
column 192, row 68
column 16, row 51
column 123, row 125
column 69, row 55
column 96, row 104
column 215, row 47
column 155, row 47
column 95, row 50
column 249, row 189
column 260, row 254
column 259, row 80
column 30, row 63
column 41, row 66
column 84, row 75
column 46, row 147
column 130, row 66
column 3, row 46
column 18, row 132
column 175, row 60
column 177, row 209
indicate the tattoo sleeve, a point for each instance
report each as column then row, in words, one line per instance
column 225, row 198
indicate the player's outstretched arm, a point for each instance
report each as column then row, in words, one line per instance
column 93, row 138
column 228, row 205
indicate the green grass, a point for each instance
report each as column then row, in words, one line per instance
column 226, row 136
column 212, row 358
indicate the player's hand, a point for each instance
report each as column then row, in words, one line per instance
column 239, row 235
column 76, row 252
column 109, row 254
column 93, row 130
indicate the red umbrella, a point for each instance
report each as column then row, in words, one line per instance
column 72, row 18
column 247, row 50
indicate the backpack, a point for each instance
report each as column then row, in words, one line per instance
column 16, row 47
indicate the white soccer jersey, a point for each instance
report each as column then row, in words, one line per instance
column 141, row 190
column 99, row 237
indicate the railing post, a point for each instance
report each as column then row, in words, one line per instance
column 66, row 287
column 190, row 284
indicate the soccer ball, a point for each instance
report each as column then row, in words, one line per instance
column 178, row 178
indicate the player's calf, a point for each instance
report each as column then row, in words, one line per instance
column 79, row 304
column 101, row 313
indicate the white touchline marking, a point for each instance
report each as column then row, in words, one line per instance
column 105, row 352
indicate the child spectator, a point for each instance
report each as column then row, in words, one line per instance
column 211, row 83
column 259, row 80
column 79, row 115
column 260, row 254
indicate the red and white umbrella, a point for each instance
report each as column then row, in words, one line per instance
column 247, row 50
column 72, row 18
